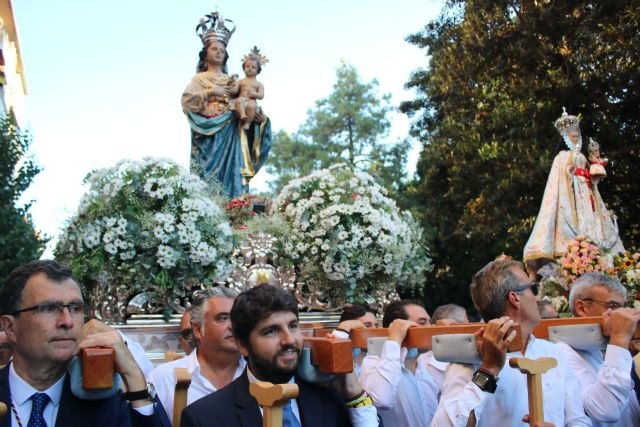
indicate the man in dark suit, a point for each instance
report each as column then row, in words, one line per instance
column 264, row 321
column 42, row 312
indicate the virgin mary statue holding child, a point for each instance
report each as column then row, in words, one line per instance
column 571, row 204
column 221, row 150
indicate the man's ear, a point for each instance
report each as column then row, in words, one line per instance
column 7, row 323
column 244, row 350
column 580, row 308
column 198, row 333
column 513, row 298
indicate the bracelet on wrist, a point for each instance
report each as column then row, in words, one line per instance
column 363, row 399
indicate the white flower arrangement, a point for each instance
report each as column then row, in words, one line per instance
column 150, row 225
column 349, row 239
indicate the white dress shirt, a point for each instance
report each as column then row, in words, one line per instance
column 163, row 379
column 606, row 385
column 403, row 399
column 507, row 406
column 21, row 393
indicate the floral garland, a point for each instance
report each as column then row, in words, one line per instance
column 348, row 238
column 241, row 209
column 149, row 225
column 583, row 256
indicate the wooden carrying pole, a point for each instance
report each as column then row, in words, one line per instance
column 420, row 336
column 542, row 330
column 183, row 380
column 272, row 397
column 534, row 370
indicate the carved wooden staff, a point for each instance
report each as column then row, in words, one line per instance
column 534, row 370
column 272, row 397
column 183, row 380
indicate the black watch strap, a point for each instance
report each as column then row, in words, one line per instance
column 147, row 393
column 485, row 380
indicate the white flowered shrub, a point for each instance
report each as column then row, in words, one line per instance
column 349, row 239
column 147, row 224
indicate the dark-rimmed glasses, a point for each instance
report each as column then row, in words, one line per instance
column 613, row 305
column 54, row 309
column 533, row 286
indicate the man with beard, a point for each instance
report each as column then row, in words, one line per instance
column 265, row 325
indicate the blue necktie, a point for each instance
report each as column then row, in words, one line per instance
column 288, row 417
column 39, row 401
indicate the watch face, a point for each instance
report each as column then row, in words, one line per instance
column 481, row 379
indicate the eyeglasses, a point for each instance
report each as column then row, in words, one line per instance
column 186, row 333
column 533, row 286
column 613, row 305
column 53, row 309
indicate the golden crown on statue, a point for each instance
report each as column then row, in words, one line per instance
column 256, row 56
column 214, row 27
column 567, row 123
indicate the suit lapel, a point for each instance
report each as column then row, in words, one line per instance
column 247, row 407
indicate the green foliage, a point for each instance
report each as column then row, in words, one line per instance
column 19, row 240
column 349, row 126
column 498, row 75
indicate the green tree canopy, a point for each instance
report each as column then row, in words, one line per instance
column 350, row 126
column 19, row 241
column 499, row 74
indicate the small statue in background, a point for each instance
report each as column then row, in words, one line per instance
column 251, row 89
column 598, row 164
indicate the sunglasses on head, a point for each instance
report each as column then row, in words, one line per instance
column 186, row 333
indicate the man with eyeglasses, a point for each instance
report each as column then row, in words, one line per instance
column 216, row 361
column 490, row 394
column 42, row 312
column 605, row 379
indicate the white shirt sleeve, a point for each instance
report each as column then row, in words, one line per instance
column 365, row 416
column 380, row 375
column 606, row 394
column 459, row 397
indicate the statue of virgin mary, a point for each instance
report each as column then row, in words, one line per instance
column 571, row 204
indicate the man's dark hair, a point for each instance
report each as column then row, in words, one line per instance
column 11, row 292
column 255, row 305
column 355, row 311
column 396, row 310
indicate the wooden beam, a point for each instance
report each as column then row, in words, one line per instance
column 331, row 355
column 542, row 330
column 420, row 336
column 534, row 370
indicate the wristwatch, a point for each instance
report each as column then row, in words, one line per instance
column 485, row 380
column 148, row 393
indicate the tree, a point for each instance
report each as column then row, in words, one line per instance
column 498, row 75
column 19, row 241
column 348, row 126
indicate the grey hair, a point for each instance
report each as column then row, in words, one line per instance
column 198, row 306
column 453, row 312
column 583, row 285
column 491, row 286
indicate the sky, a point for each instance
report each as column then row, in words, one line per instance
column 104, row 77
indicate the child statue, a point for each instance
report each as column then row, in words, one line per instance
column 597, row 168
column 251, row 89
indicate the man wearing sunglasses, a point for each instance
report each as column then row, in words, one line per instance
column 42, row 312
column 216, row 361
column 605, row 379
column 495, row 395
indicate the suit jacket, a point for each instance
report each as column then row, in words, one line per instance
column 74, row 412
column 233, row 406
